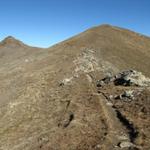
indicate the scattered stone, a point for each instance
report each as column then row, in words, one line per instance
column 61, row 84
column 98, row 146
column 111, row 97
column 65, row 81
column 109, row 78
column 125, row 144
column 68, row 121
column 128, row 94
column 26, row 60
column 100, row 83
column 109, row 104
column 65, row 122
column 131, row 77
column 126, row 78
column 123, row 137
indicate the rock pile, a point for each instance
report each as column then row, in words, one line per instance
column 126, row 78
column 127, row 95
column 131, row 77
column 133, row 82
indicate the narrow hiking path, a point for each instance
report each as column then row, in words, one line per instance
column 117, row 136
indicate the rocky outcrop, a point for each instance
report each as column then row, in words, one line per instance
column 126, row 78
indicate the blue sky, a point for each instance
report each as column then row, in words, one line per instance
column 45, row 22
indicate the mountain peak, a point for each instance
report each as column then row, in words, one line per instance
column 9, row 37
column 11, row 41
column 105, row 25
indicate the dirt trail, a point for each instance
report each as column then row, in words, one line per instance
column 117, row 133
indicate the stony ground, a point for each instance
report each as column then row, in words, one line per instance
column 132, row 105
column 49, row 99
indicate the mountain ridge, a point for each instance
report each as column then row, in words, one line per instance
column 10, row 39
column 76, row 95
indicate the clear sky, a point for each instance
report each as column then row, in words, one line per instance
column 46, row 22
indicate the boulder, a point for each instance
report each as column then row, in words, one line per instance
column 126, row 78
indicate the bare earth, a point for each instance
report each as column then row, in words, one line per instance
column 49, row 98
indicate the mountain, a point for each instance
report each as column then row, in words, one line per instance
column 50, row 99
column 11, row 41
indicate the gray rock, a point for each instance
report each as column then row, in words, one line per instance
column 125, row 144
column 131, row 77
column 128, row 94
column 126, row 78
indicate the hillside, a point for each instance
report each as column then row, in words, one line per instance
column 50, row 100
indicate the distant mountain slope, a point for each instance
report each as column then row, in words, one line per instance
column 121, row 47
column 48, row 97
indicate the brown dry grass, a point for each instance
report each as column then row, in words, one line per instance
column 32, row 103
